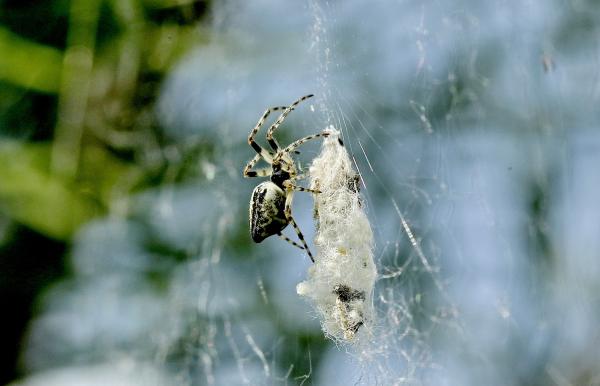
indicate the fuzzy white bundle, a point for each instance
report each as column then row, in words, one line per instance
column 340, row 282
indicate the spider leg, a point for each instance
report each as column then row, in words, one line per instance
column 290, row 185
column 284, row 237
column 263, row 152
column 264, row 172
column 279, row 120
column 288, row 215
column 292, row 147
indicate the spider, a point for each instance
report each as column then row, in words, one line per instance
column 271, row 202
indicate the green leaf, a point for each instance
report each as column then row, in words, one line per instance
column 28, row 64
column 36, row 198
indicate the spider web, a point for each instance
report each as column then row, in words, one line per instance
column 455, row 115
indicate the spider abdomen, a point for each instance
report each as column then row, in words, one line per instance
column 267, row 211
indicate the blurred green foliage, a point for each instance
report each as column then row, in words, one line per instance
column 31, row 195
column 78, row 83
column 99, row 64
column 27, row 64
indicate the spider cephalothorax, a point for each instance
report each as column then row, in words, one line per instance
column 271, row 202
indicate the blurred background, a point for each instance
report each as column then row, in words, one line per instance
column 125, row 256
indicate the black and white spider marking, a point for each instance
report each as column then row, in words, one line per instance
column 345, row 297
column 271, row 202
